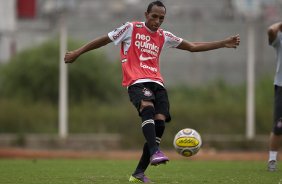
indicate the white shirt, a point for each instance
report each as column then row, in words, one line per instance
column 277, row 44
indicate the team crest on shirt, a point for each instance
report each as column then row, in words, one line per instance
column 147, row 92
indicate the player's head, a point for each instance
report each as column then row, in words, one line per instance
column 155, row 15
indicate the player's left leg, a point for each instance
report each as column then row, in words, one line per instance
column 144, row 161
column 142, row 166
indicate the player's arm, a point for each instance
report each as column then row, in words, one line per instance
column 273, row 30
column 71, row 56
column 230, row 42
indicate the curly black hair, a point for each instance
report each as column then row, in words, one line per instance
column 157, row 3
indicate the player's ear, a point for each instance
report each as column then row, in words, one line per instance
column 146, row 14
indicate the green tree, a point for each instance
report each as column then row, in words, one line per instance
column 33, row 75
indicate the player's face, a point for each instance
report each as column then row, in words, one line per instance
column 155, row 17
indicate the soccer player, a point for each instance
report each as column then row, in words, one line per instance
column 141, row 45
column 275, row 40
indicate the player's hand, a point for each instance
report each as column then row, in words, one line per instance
column 71, row 56
column 232, row 41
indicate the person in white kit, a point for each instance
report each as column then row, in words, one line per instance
column 275, row 40
column 141, row 45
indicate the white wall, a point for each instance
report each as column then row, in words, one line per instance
column 8, row 24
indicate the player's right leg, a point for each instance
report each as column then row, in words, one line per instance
column 275, row 136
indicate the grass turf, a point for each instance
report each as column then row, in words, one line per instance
column 84, row 171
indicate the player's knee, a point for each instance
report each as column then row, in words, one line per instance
column 160, row 117
column 145, row 103
column 147, row 112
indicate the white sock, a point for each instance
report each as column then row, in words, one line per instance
column 272, row 155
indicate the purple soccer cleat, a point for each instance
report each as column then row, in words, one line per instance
column 158, row 158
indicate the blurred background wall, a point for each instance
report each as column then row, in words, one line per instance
column 25, row 23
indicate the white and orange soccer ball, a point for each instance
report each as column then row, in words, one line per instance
column 187, row 142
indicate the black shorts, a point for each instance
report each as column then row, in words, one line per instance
column 150, row 91
column 277, row 124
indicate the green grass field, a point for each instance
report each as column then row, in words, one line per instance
column 84, row 171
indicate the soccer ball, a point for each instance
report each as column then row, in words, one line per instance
column 187, row 142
